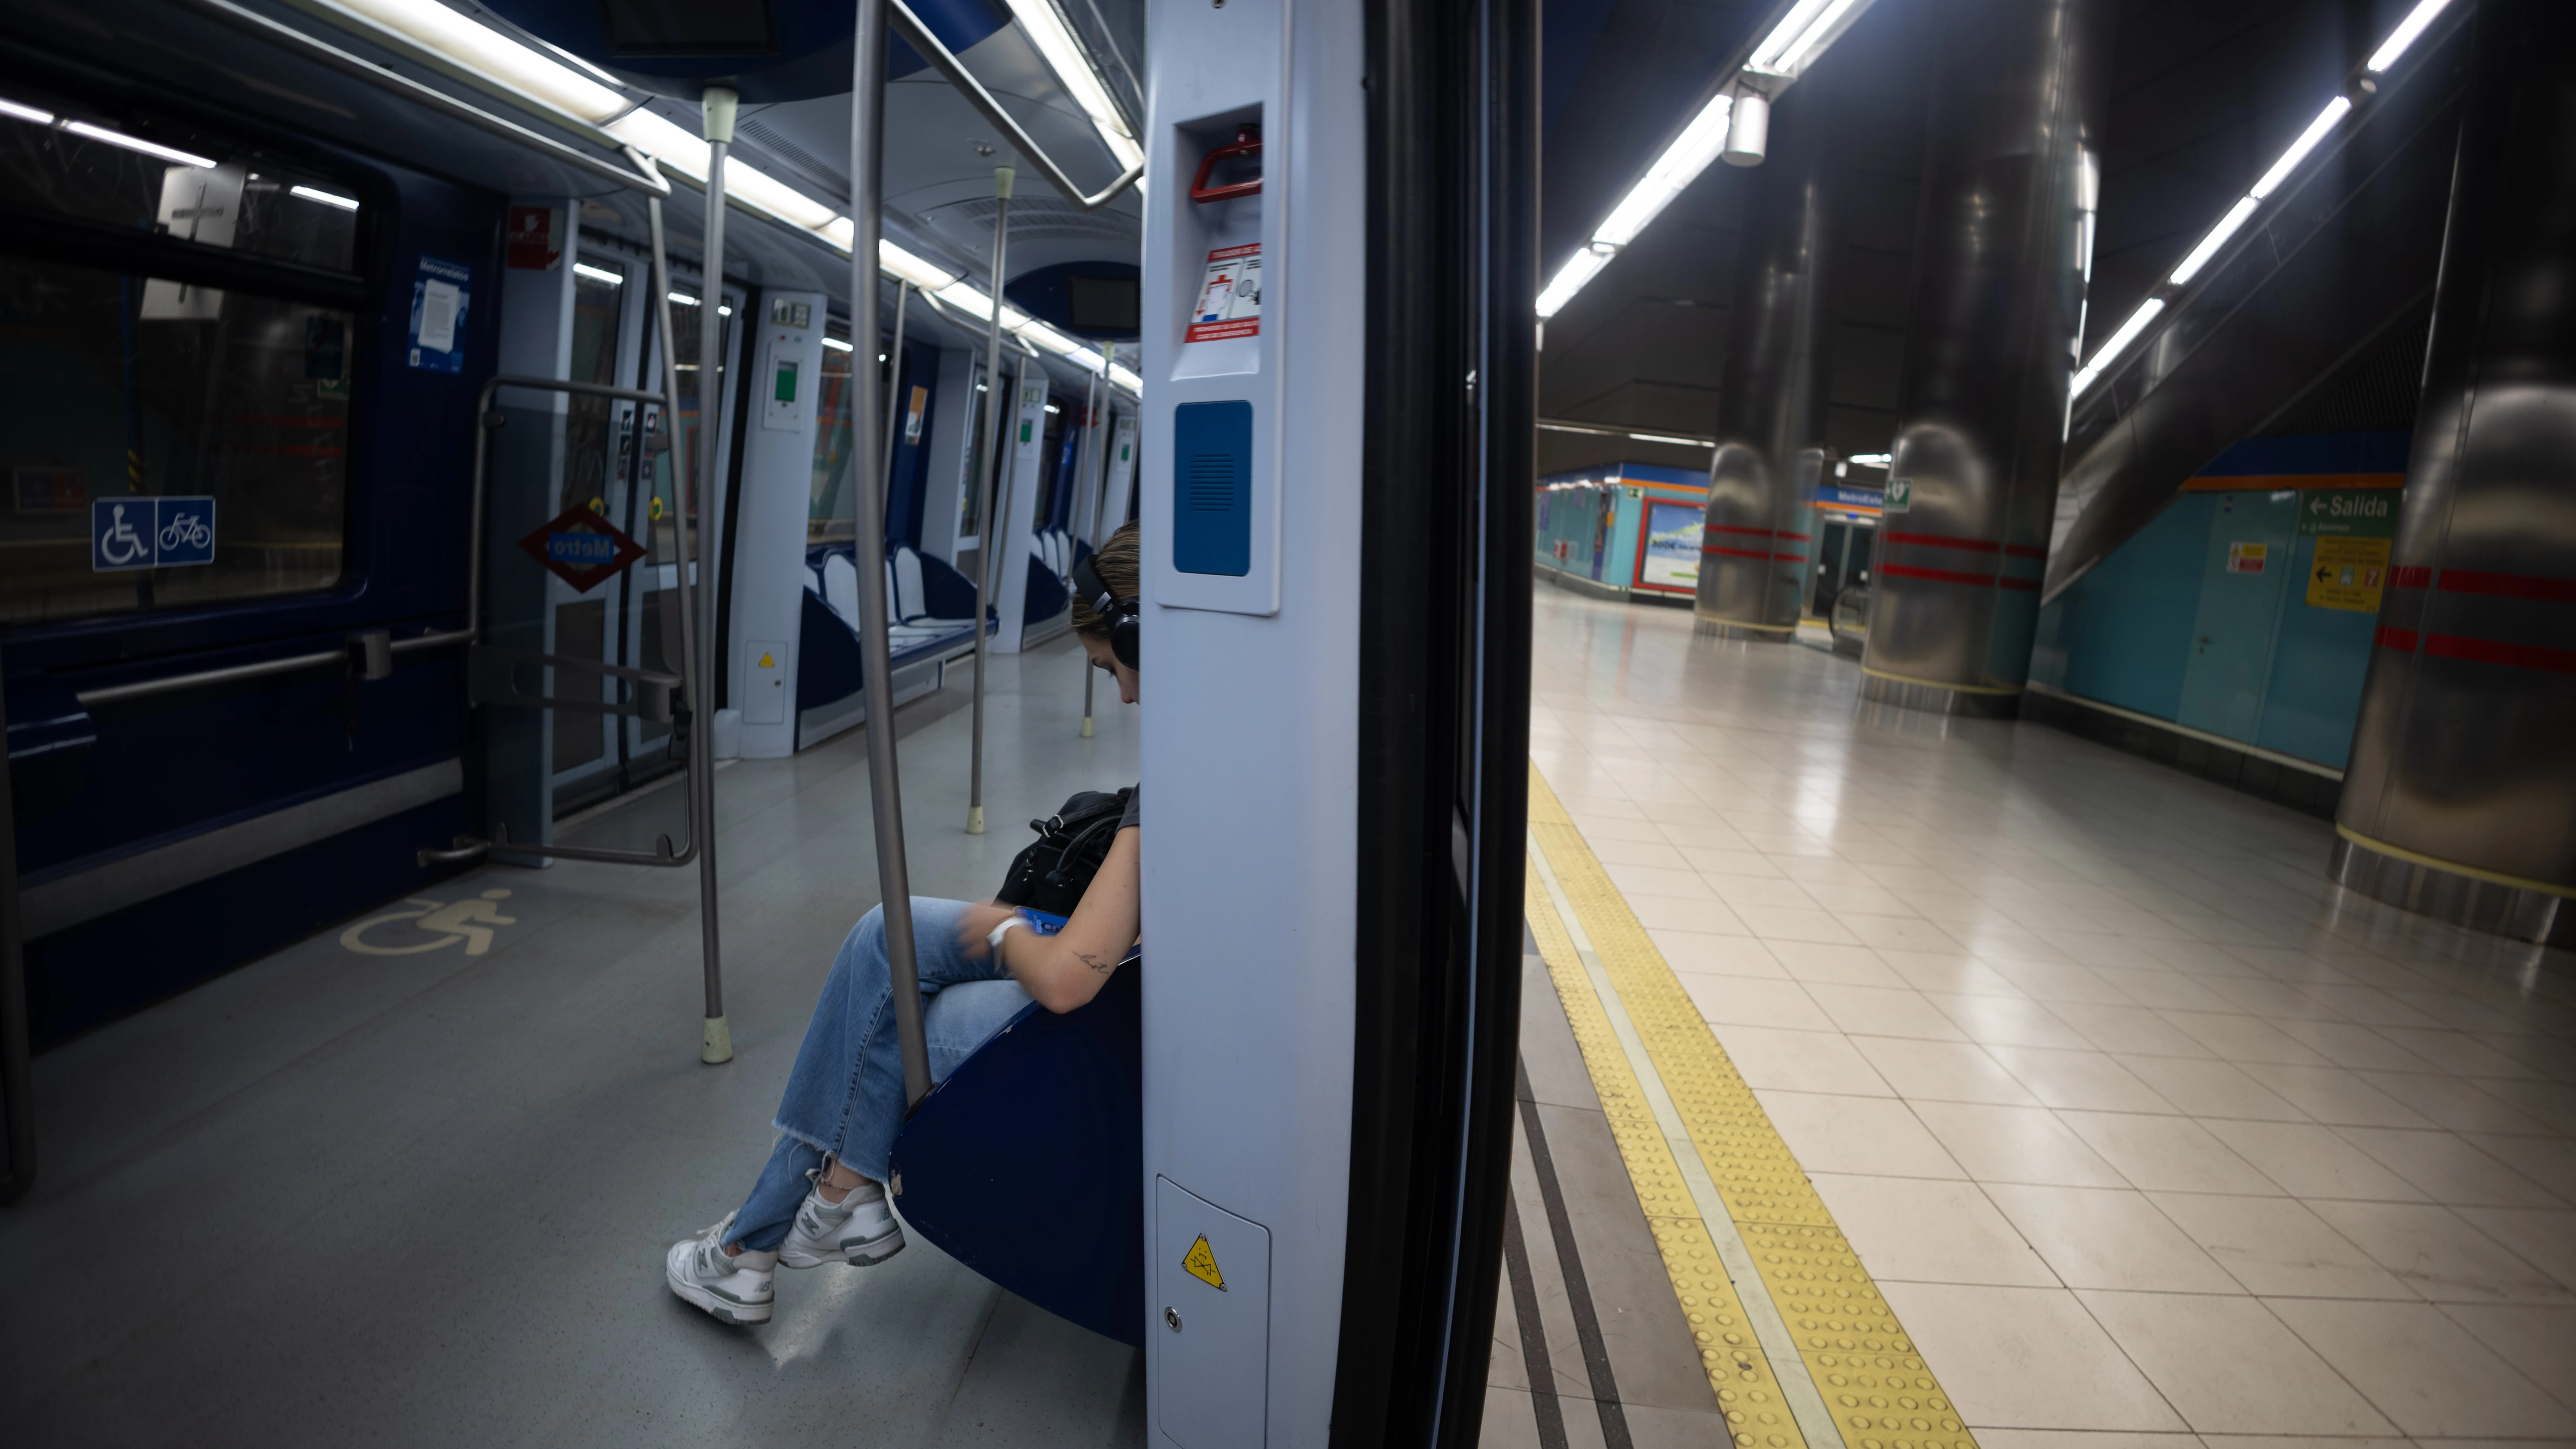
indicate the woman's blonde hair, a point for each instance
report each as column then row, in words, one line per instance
column 1120, row 563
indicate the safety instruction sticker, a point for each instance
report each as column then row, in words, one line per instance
column 2245, row 558
column 2348, row 574
column 1229, row 296
column 1200, row 1262
column 440, row 294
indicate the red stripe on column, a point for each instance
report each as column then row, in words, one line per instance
column 2509, row 586
column 2496, row 651
column 1940, row 540
column 1792, row 537
column 2410, row 577
column 2024, row 550
column 1736, row 552
column 1954, row 576
column 1740, row 532
column 2398, row 639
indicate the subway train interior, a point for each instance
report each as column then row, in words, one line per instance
column 1863, row 723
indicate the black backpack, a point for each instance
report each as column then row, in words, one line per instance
column 1053, row 872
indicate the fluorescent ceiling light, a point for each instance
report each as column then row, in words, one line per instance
column 1672, row 174
column 1072, row 67
column 2235, row 218
column 837, row 345
column 682, row 299
column 653, row 134
column 598, row 274
column 2120, row 340
column 2405, row 33
column 345, row 203
column 1669, row 438
column 2300, row 148
column 1786, row 61
column 1127, row 379
column 1873, row 460
column 1580, row 268
column 490, row 53
column 1792, row 26
column 131, row 143
column 17, row 112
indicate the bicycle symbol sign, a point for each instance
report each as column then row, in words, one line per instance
column 147, row 533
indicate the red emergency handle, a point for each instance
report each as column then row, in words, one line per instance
column 1247, row 142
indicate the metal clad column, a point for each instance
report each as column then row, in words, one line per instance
column 1954, row 598
column 1770, row 400
column 2460, row 801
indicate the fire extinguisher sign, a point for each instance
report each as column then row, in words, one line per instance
column 1229, row 297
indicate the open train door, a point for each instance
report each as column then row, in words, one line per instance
column 1338, row 359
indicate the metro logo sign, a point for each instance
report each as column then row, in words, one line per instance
column 582, row 549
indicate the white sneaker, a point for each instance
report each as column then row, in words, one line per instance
column 858, row 1230
column 733, row 1288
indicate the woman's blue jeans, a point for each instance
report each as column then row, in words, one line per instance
column 845, row 1096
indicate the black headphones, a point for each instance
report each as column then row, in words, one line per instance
column 1125, row 628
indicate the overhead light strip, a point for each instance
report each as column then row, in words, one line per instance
column 1072, row 66
column 489, row 53
column 1802, row 34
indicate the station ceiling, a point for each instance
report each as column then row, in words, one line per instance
column 2199, row 95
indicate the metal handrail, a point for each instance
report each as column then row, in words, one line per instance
column 945, row 61
column 331, row 56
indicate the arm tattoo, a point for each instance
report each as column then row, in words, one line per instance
column 1095, row 963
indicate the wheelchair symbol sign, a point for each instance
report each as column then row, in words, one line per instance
column 145, row 533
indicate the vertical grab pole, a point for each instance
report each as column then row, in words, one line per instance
column 1087, row 519
column 14, row 1076
column 991, row 524
column 876, row 667
column 716, row 1044
column 715, row 1041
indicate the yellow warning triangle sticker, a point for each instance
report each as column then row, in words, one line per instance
column 768, row 663
column 1201, row 1263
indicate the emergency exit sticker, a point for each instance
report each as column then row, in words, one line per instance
column 2245, row 558
column 1229, row 296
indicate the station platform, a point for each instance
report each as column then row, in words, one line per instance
column 1975, row 1084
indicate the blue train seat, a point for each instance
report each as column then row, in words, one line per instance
column 1028, row 1163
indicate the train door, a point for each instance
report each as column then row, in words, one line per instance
column 624, row 475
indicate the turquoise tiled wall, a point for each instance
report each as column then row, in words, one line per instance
column 2126, row 633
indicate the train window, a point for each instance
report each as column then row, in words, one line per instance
column 686, row 312
column 166, row 178
column 979, row 469
column 593, row 468
column 123, row 385
column 831, row 516
column 131, row 377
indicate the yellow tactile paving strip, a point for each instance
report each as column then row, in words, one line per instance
column 1737, row 1369
column 1878, row 1388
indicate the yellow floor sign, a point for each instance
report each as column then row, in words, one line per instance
column 1201, row 1263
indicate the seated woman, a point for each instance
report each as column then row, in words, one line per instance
column 821, row 1198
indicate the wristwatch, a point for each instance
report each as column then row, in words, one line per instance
column 995, row 939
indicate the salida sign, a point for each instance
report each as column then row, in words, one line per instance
column 2349, row 512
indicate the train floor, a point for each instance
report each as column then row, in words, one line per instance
column 1979, row 1082
column 421, row 1199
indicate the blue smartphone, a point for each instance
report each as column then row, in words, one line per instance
column 1041, row 922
